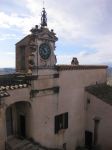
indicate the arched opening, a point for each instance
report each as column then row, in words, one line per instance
column 18, row 119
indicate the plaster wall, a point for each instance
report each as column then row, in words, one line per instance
column 17, row 95
column 72, row 100
column 44, row 109
column 102, row 110
column 44, row 83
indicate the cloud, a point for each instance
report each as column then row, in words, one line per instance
column 87, row 23
column 79, row 19
column 14, row 20
column 7, row 59
column 6, row 36
column 10, row 53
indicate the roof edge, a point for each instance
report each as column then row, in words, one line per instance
column 23, row 39
column 80, row 67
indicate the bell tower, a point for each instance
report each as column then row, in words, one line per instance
column 42, row 45
column 38, row 48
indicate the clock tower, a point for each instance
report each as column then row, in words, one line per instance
column 36, row 51
column 42, row 45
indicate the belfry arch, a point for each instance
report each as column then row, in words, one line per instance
column 18, row 120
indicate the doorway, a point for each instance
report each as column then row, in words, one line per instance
column 18, row 120
column 96, row 126
column 88, row 139
column 22, row 119
column 9, row 121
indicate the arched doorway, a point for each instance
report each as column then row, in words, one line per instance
column 18, row 119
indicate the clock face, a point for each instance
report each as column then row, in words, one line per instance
column 44, row 51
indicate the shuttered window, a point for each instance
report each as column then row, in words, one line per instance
column 61, row 122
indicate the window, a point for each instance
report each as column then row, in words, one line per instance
column 22, row 57
column 61, row 122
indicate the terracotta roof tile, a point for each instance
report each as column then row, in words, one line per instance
column 4, row 94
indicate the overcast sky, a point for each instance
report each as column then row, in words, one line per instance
column 84, row 28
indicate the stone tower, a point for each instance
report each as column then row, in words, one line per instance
column 36, row 51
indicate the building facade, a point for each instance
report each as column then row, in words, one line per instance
column 44, row 103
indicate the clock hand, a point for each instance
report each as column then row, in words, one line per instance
column 45, row 51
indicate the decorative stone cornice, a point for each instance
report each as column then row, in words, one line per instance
column 34, row 92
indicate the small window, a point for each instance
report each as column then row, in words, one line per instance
column 61, row 122
column 22, row 57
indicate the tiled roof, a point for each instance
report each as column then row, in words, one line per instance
column 28, row 36
column 80, row 67
column 14, row 81
column 4, row 93
column 102, row 91
column 12, row 87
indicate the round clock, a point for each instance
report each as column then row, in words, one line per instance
column 44, row 51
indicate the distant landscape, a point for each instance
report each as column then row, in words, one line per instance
column 109, row 76
column 6, row 71
column 109, row 72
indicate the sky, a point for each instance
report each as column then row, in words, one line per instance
column 83, row 27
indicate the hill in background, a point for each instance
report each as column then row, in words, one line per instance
column 7, row 71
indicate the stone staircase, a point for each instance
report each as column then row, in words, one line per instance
column 18, row 144
column 24, row 144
